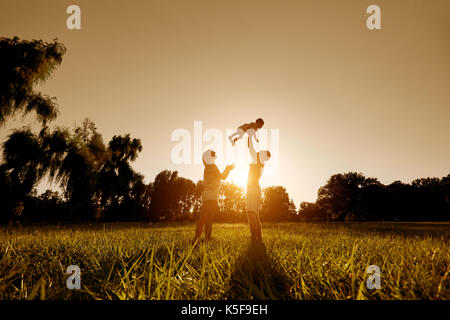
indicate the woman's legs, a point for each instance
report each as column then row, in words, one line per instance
column 200, row 223
column 205, row 219
column 212, row 209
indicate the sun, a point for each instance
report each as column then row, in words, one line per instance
column 238, row 175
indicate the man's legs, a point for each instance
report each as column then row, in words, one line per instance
column 251, row 221
column 258, row 228
column 253, row 201
column 255, row 226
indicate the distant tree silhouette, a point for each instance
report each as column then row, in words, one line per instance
column 276, row 205
column 119, row 185
column 311, row 212
column 24, row 64
column 342, row 197
column 91, row 175
column 27, row 158
column 185, row 193
column 172, row 197
column 232, row 203
column 353, row 197
column 78, row 171
column 49, row 207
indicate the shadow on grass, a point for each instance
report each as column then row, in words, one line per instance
column 256, row 276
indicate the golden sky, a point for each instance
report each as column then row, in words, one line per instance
column 343, row 97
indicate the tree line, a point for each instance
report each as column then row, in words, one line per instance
column 98, row 182
column 354, row 197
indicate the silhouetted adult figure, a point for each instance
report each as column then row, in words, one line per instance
column 254, row 189
column 16, row 217
column 210, row 195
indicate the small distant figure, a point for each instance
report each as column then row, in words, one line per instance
column 16, row 215
column 246, row 128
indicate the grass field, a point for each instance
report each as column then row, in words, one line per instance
column 297, row 261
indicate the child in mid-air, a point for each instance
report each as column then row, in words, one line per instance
column 258, row 124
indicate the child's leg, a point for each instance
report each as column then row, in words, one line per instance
column 240, row 134
column 237, row 135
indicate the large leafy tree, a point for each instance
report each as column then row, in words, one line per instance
column 310, row 212
column 119, row 184
column 78, row 170
column 171, row 196
column 342, row 196
column 23, row 64
column 231, row 202
column 276, row 205
column 27, row 158
column 95, row 176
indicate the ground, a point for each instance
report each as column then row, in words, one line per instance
column 297, row 261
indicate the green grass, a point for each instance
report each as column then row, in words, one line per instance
column 298, row 261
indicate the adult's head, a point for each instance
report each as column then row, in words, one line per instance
column 264, row 156
column 259, row 122
column 209, row 157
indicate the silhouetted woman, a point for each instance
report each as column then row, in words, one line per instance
column 254, row 189
column 210, row 195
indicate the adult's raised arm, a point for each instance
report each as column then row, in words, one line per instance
column 252, row 150
column 226, row 172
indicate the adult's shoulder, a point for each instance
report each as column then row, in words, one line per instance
column 211, row 168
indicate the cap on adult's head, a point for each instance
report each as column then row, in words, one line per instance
column 209, row 156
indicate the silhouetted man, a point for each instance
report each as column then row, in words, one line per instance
column 254, row 189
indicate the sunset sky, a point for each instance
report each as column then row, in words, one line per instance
column 344, row 98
